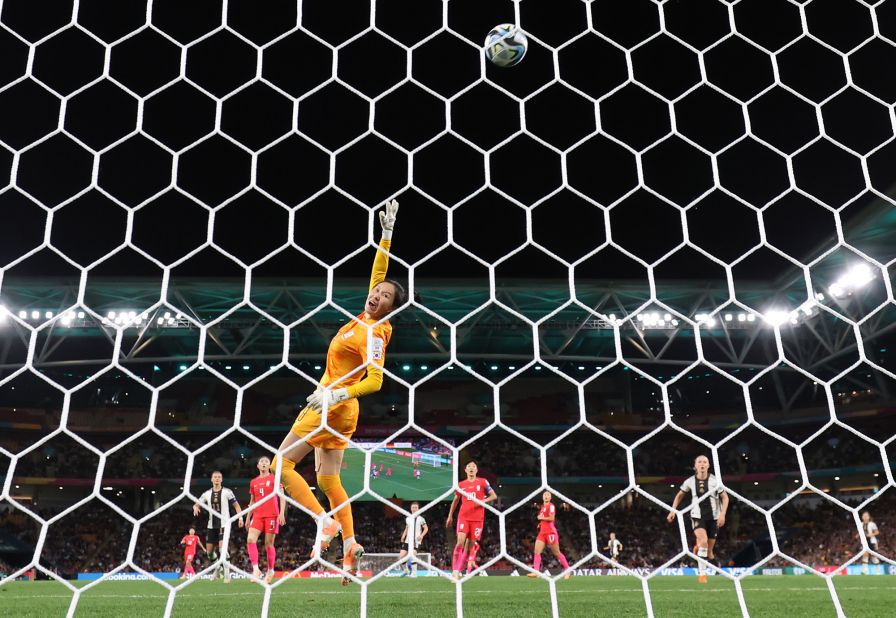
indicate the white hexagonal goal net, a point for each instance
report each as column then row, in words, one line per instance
column 667, row 233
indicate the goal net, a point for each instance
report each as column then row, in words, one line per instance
column 667, row 233
column 391, row 566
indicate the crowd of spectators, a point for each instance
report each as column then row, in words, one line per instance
column 814, row 531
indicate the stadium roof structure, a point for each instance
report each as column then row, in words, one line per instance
column 572, row 311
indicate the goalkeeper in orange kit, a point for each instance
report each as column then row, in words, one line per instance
column 354, row 369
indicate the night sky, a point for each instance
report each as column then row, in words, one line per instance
column 256, row 124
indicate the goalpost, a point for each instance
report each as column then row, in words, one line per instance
column 654, row 314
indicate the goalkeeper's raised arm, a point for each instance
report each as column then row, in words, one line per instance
column 354, row 368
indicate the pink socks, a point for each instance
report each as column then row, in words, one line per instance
column 253, row 553
column 536, row 562
column 272, row 556
column 459, row 558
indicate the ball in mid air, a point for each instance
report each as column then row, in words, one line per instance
column 506, row 45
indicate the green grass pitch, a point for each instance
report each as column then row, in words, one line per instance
column 402, row 484
column 493, row 597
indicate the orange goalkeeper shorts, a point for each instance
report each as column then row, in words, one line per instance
column 342, row 420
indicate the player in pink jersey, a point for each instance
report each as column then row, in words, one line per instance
column 190, row 543
column 267, row 517
column 548, row 535
column 472, row 494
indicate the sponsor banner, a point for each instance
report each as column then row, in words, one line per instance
column 420, row 573
column 836, row 570
column 389, row 445
column 128, row 576
column 318, row 574
column 666, row 572
column 870, row 569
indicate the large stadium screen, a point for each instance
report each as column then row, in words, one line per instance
column 410, row 470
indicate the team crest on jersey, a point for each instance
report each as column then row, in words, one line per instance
column 378, row 346
column 267, row 484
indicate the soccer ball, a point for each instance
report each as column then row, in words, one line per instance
column 506, row 45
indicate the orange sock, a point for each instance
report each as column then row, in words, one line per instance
column 332, row 486
column 297, row 486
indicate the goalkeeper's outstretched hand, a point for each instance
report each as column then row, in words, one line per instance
column 318, row 398
column 387, row 218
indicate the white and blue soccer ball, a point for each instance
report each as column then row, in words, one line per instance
column 506, row 45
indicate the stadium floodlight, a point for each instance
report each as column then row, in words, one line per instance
column 776, row 317
column 706, row 319
column 23, row 314
column 35, row 315
column 728, row 317
column 853, row 279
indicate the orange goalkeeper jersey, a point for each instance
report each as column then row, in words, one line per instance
column 349, row 349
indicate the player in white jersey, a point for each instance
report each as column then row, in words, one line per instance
column 709, row 505
column 415, row 525
column 871, row 532
column 219, row 500
column 614, row 547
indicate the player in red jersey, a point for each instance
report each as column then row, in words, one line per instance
column 471, row 493
column 548, row 536
column 190, row 543
column 267, row 517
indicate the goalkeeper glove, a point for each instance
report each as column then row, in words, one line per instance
column 318, row 398
column 387, row 218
